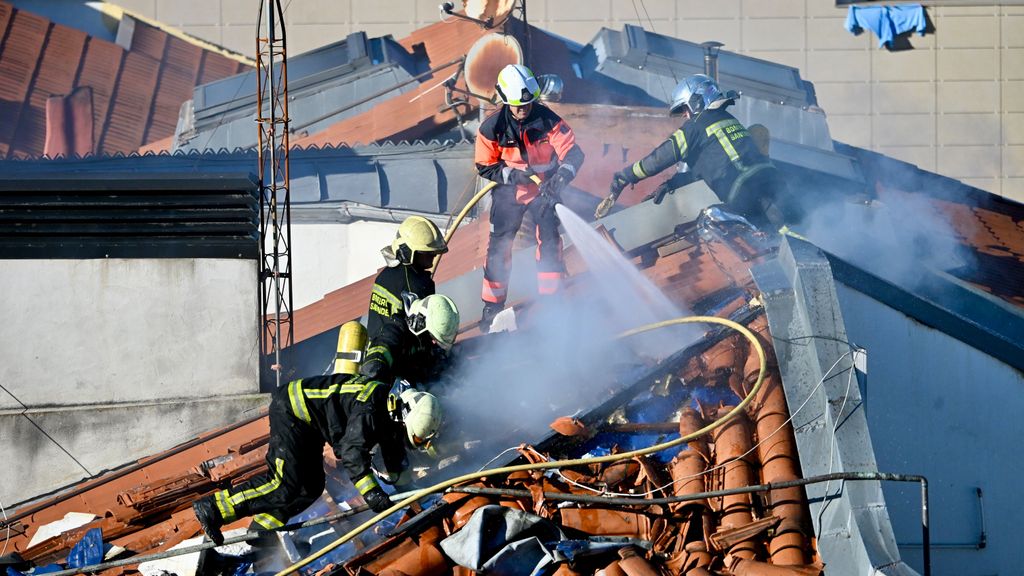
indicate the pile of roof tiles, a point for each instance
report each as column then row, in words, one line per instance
column 761, row 533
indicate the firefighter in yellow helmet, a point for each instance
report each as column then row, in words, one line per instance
column 353, row 414
column 391, row 353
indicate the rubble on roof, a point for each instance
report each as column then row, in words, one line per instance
column 147, row 506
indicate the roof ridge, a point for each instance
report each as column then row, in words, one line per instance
column 119, row 12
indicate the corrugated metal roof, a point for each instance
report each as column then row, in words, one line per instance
column 136, row 92
column 127, row 215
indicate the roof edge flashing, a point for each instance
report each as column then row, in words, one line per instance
column 851, row 520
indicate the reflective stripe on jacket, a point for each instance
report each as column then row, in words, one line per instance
column 716, row 146
column 542, row 143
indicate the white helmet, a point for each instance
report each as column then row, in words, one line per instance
column 437, row 315
column 421, row 413
column 517, row 85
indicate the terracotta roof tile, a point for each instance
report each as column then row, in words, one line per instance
column 56, row 75
column 131, row 103
column 100, row 68
column 993, row 236
column 216, row 67
column 177, row 80
column 414, row 114
column 19, row 57
column 149, row 41
column 137, row 94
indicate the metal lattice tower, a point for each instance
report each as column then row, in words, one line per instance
column 275, row 196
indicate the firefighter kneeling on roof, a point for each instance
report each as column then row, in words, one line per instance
column 352, row 413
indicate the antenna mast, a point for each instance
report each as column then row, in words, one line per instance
column 275, row 197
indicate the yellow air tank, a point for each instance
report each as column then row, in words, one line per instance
column 351, row 343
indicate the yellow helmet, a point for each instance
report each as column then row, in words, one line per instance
column 436, row 314
column 415, row 235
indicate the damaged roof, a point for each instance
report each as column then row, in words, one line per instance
column 148, row 503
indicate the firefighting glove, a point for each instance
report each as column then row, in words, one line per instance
column 519, row 177
column 377, row 499
column 619, row 182
column 659, row 193
column 372, row 368
column 553, row 186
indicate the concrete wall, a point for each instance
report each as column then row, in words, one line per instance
column 116, row 359
column 95, row 331
column 329, row 256
column 940, row 408
column 954, row 104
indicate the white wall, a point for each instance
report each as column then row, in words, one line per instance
column 940, row 408
column 112, row 360
column 330, row 256
column 93, row 331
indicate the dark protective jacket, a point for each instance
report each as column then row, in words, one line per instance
column 351, row 415
column 718, row 149
column 404, row 354
column 542, row 142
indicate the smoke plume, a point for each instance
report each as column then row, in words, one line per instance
column 565, row 360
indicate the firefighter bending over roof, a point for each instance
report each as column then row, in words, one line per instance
column 717, row 149
column 353, row 414
column 393, row 351
column 521, row 139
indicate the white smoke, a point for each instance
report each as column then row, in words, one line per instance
column 898, row 236
column 567, row 360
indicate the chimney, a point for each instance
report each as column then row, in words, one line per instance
column 711, row 58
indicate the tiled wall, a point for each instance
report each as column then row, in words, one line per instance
column 954, row 104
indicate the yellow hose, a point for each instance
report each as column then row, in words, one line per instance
column 576, row 462
column 465, row 210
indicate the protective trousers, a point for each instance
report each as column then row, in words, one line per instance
column 294, row 481
column 506, row 218
column 765, row 200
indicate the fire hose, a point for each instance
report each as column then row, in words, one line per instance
column 465, row 210
column 416, row 496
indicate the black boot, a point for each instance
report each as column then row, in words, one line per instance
column 209, row 518
column 491, row 310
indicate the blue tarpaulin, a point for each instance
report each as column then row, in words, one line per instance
column 88, row 551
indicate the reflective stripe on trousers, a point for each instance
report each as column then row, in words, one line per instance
column 494, row 292
column 548, row 282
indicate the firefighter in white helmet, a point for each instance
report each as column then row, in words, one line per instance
column 523, row 138
column 353, row 414
column 391, row 353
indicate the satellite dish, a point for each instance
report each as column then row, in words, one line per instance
column 496, row 10
column 486, row 58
